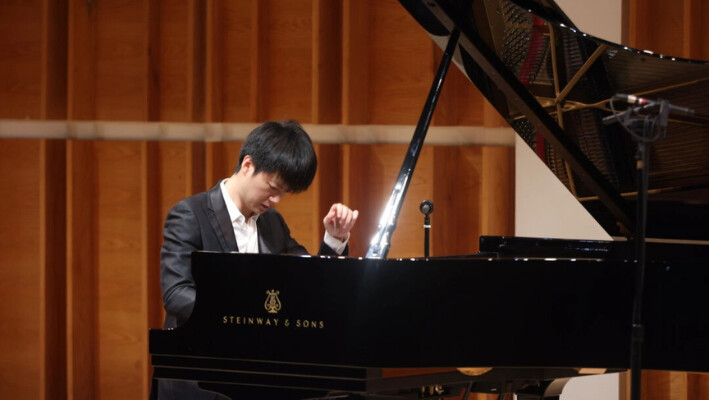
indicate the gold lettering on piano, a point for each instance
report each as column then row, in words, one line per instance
column 309, row 324
column 260, row 321
column 297, row 323
column 273, row 305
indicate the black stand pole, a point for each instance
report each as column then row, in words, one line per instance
column 638, row 330
column 654, row 121
column 426, row 208
column 654, row 126
column 657, row 122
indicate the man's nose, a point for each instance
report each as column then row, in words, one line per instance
column 275, row 199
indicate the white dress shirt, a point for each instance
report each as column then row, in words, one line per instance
column 245, row 230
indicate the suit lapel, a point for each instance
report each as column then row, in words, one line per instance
column 219, row 219
column 264, row 239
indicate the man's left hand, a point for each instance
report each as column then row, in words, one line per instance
column 339, row 221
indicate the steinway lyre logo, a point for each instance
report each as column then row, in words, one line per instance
column 273, row 303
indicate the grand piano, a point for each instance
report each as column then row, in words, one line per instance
column 293, row 327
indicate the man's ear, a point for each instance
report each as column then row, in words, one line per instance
column 246, row 164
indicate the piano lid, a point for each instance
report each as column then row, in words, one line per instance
column 552, row 83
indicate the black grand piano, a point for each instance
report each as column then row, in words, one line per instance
column 287, row 327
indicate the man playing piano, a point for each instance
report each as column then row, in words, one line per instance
column 237, row 215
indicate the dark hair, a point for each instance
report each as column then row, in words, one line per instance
column 284, row 148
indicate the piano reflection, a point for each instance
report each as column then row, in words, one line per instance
column 348, row 327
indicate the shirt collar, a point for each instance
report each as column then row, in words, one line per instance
column 235, row 214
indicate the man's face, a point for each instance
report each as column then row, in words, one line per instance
column 260, row 191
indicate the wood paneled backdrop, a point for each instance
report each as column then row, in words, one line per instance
column 82, row 219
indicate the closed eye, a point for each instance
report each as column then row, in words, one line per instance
column 276, row 190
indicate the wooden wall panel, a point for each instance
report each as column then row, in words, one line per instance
column 20, row 41
column 32, row 255
column 228, row 61
column 363, row 169
column 275, row 80
column 473, row 196
column 222, row 158
column 670, row 15
column 82, row 275
column 181, row 60
column 229, row 56
column 122, row 321
column 33, row 50
column 400, row 58
column 351, row 62
column 683, row 27
column 151, row 206
column 260, row 64
column 326, row 62
column 53, row 252
column 328, row 184
column 656, row 385
column 21, row 304
column 182, row 173
column 289, row 85
column 53, row 101
column 670, row 385
column 497, row 191
column 113, row 60
column 698, row 32
column 81, row 60
column 698, row 385
column 122, row 63
column 355, row 62
column 691, row 29
column 456, row 217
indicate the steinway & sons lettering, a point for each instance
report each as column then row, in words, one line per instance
column 273, row 306
column 273, row 322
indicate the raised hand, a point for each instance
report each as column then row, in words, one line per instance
column 339, row 221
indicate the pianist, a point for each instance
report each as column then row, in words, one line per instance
column 237, row 215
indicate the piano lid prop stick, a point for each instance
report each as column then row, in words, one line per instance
column 379, row 245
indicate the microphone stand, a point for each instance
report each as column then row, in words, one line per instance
column 426, row 208
column 630, row 121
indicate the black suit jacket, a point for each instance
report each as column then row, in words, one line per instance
column 201, row 222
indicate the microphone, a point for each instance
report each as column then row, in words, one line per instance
column 647, row 104
column 426, row 207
